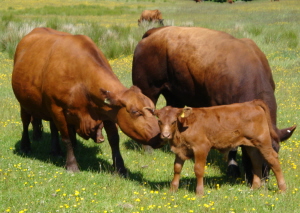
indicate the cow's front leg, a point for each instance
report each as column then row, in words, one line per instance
column 113, row 138
column 61, row 125
column 178, row 164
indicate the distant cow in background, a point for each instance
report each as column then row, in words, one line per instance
column 192, row 132
column 230, row 1
column 198, row 1
column 151, row 16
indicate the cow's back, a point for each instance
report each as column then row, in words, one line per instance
column 54, row 66
column 201, row 67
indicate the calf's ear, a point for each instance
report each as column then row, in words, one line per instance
column 185, row 112
column 148, row 111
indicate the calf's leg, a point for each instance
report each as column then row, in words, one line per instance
column 256, row 161
column 271, row 157
column 178, row 164
column 200, row 160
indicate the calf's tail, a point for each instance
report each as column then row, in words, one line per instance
column 273, row 132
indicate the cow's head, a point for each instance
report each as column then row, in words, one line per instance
column 171, row 119
column 161, row 22
column 135, row 115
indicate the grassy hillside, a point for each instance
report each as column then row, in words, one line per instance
column 39, row 183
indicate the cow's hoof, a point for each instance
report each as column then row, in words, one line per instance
column 56, row 154
column 233, row 171
column 122, row 172
column 72, row 168
column 25, row 150
column 37, row 135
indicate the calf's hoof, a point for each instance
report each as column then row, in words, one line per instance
column 282, row 187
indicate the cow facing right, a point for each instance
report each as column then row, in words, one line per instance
column 192, row 132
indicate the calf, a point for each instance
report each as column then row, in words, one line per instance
column 192, row 132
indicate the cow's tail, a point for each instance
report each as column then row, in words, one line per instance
column 273, row 133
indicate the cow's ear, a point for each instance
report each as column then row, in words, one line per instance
column 156, row 113
column 110, row 98
column 185, row 112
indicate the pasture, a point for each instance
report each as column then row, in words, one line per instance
column 39, row 183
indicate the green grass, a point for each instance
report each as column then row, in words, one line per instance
column 39, row 183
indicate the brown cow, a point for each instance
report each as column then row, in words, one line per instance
column 66, row 79
column 199, row 67
column 192, row 132
column 151, row 16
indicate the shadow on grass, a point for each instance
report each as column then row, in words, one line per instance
column 187, row 183
column 85, row 153
column 87, row 159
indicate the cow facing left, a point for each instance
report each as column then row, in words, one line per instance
column 192, row 132
column 151, row 16
column 67, row 80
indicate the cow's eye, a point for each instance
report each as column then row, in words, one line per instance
column 136, row 113
column 159, row 122
column 174, row 122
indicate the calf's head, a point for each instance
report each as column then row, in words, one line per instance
column 170, row 119
column 135, row 115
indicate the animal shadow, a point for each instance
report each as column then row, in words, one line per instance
column 86, row 155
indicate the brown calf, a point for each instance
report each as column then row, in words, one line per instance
column 192, row 132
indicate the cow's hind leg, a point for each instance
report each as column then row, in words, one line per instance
column 178, row 164
column 25, row 141
column 113, row 138
column 55, row 147
column 37, row 126
column 233, row 167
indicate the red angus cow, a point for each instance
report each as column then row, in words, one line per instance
column 66, row 79
column 199, row 67
column 151, row 16
column 192, row 132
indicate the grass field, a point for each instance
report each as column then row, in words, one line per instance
column 39, row 183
